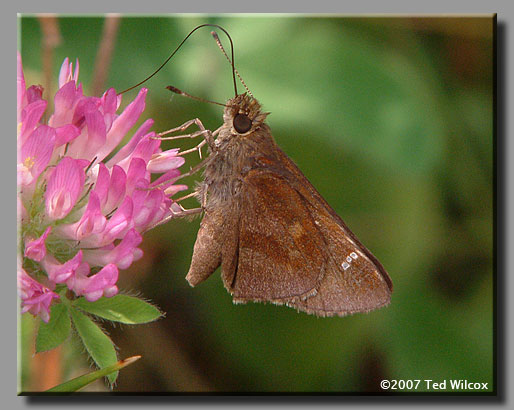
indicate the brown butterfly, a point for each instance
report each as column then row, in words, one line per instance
column 273, row 234
column 277, row 240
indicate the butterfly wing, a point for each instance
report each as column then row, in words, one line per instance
column 279, row 253
column 293, row 249
column 353, row 281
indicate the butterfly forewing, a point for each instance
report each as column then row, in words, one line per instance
column 293, row 250
column 280, row 248
column 352, row 282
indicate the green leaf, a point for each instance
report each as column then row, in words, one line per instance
column 97, row 343
column 53, row 333
column 82, row 381
column 121, row 308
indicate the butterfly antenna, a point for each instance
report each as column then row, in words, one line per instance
column 180, row 45
column 180, row 92
column 217, row 39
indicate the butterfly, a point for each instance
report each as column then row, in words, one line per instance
column 275, row 237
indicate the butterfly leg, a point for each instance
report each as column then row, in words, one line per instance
column 181, row 213
column 195, row 148
column 184, row 212
column 207, row 134
column 209, row 139
column 184, row 127
column 191, row 194
column 193, row 170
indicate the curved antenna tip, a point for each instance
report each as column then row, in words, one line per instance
column 174, row 89
column 180, row 92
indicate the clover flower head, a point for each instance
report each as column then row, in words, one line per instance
column 84, row 199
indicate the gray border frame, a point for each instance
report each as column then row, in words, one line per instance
column 504, row 193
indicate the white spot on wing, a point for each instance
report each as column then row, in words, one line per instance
column 349, row 259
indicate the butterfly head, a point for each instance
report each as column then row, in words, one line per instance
column 243, row 115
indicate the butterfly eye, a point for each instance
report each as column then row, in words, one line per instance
column 242, row 123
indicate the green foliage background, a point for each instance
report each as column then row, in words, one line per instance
column 392, row 120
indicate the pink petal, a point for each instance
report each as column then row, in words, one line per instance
column 166, row 180
column 26, row 285
column 60, row 273
column 64, row 187
column 102, row 183
column 110, row 103
column 76, row 72
column 95, row 133
column 36, row 249
column 165, row 161
column 130, row 146
column 102, row 284
column 146, row 213
column 147, row 147
column 123, row 123
column 139, row 198
column 66, row 73
column 30, row 117
column 35, row 297
column 122, row 255
column 65, row 134
column 84, row 106
column 126, row 251
column 116, row 188
column 78, row 280
column 37, row 150
column 163, row 212
column 64, row 102
column 136, row 172
column 40, row 305
column 34, row 93
column 92, row 221
column 120, row 221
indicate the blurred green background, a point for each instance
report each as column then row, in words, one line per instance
column 392, row 120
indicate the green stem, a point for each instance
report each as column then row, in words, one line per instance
column 78, row 383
